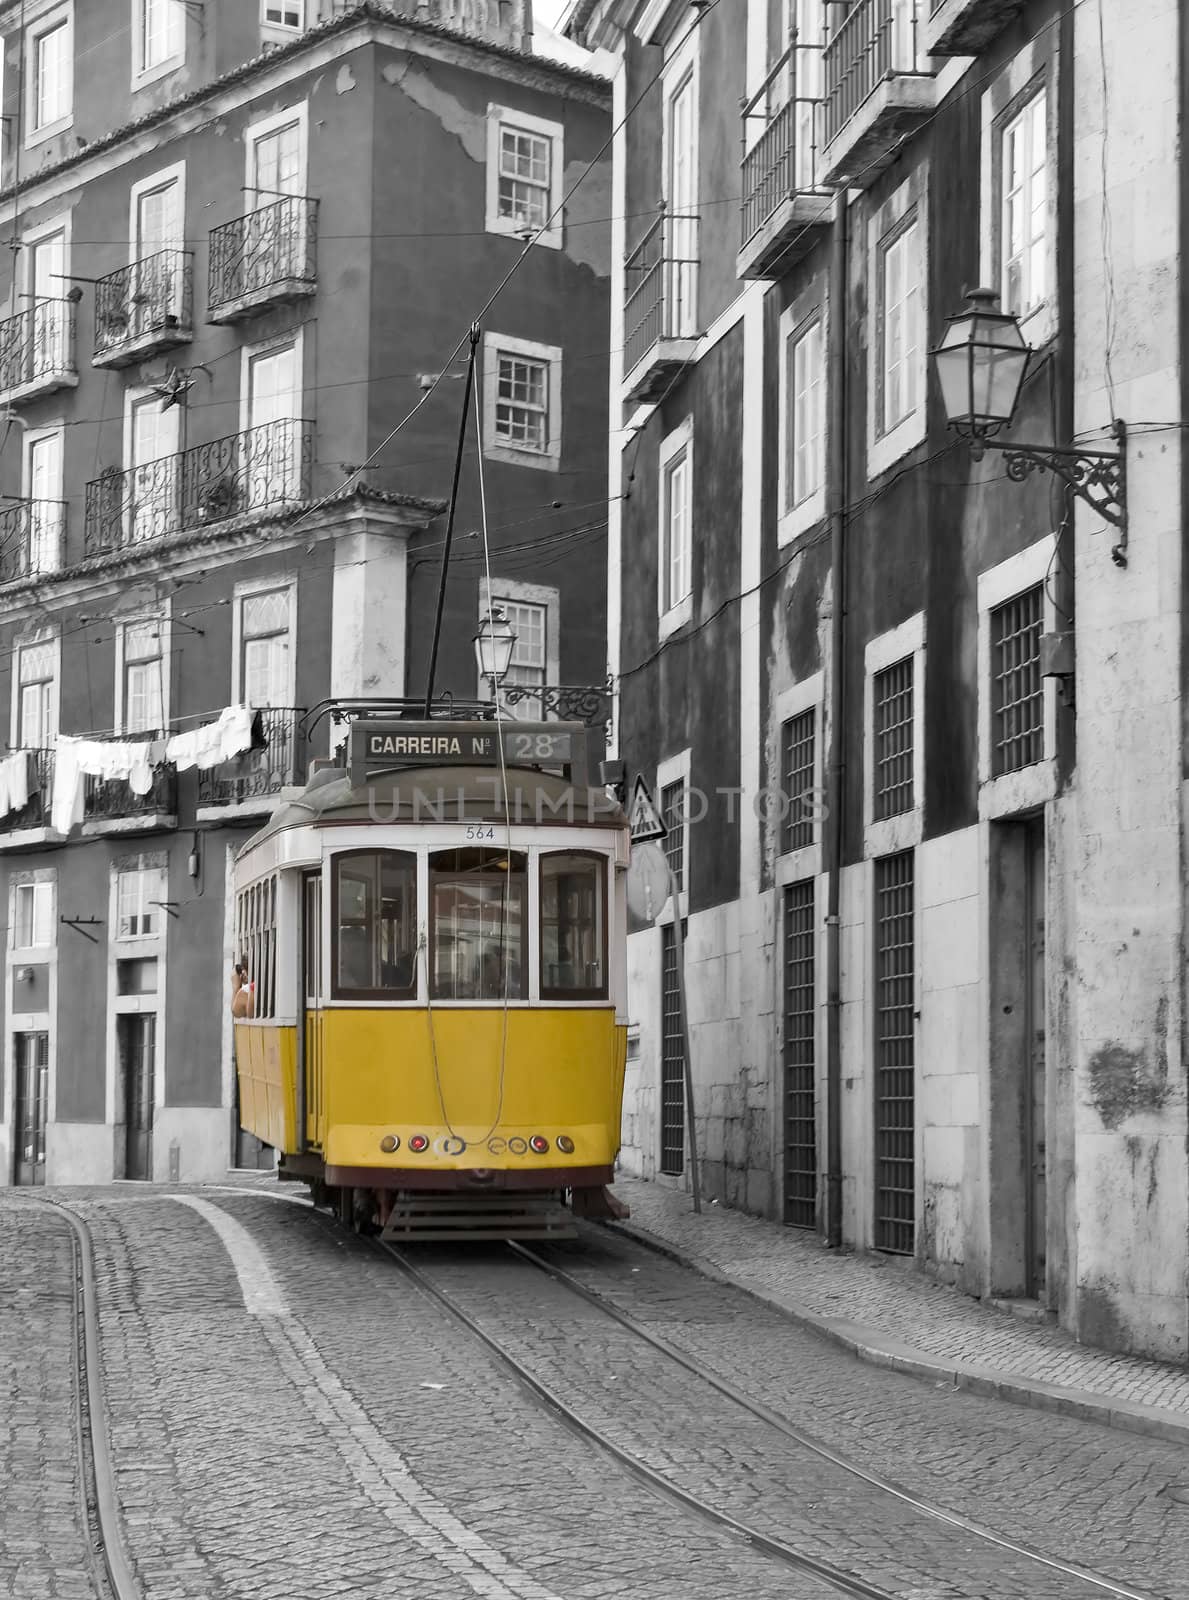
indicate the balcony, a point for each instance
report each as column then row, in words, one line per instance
column 785, row 212
column 35, row 813
column 37, row 352
column 144, row 308
column 258, row 471
column 660, row 305
column 32, row 539
column 109, row 801
column 876, row 89
column 964, row 27
column 254, row 781
column 264, row 259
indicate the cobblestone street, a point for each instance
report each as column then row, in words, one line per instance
column 291, row 1416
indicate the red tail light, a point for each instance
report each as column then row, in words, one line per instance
column 418, row 1143
column 539, row 1144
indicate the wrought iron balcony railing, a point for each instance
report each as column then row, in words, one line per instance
column 35, row 813
column 878, row 39
column 258, row 774
column 783, row 160
column 144, row 307
column 32, row 539
column 37, row 351
column 105, row 799
column 660, row 286
column 259, row 470
column 263, row 258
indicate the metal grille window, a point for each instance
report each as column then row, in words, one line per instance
column 673, row 816
column 522, row 403
column 800, row 1012
column 895, row 1073
column 797, row 771
column 672, row 1059
column 892, row 704
column 525, row 160
column 1017, row 688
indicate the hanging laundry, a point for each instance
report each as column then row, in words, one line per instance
column 14, row 782
column 213, row 742
column 76, row 759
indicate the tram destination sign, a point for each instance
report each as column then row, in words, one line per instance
column 383, row 746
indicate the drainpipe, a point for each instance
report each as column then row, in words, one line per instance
column 836, row 492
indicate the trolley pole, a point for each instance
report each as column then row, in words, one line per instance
column 462, row 436
column 687, row 1057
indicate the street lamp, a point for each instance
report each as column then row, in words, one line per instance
column 981, row 365
column 494, row 644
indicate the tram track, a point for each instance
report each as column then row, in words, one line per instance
column 842, row 1580
column 107, row 1562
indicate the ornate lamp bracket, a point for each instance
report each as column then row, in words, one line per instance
column 1099, row 477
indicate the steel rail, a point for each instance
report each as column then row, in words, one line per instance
column 847, row 1583
column 106, row 1554
column 782, row 1425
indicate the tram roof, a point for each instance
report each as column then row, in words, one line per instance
column 426, row 795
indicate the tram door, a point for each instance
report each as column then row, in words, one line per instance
column 312, row 1022
column 32, row 1091
column 137, row 1038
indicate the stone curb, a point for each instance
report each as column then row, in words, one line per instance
column 869, row 1345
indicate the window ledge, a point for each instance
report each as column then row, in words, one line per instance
column 37, row 136
column 890, row 835
column 145, row 822
column 151, row 75
column 801, row 518
column 542, row 460
column 551, row 238
column 1013, row 792
column 676, row 617
column 884, row 451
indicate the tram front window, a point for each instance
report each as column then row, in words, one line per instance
column 375, row 949
column 479, row 903
column 573, row 927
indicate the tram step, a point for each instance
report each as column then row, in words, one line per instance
column 467, row 1217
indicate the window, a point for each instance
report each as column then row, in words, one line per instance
column 277, row 157
column 797, row 765
column 158, row 219
column 800, row 1059
column 272, row 394
column 1023, row 155
column 1017, row 688
column 672, row 1152
column 162, row 34
column 524, row 175
column 804, row 473
column 265, row 656
column 895, row 1071
column 288, row 14
column 478, row 908
column 673, row 809
column 892, row 702
column 900, row 328
column 530, row 623
column 43, row 489
column 50, row 74
column 573, row 927
column 256, row 929
column 375, row 920
column 140, row 892
column 37, row 697
column 46, row 271
column 152, row 487
column 33, row 916
column 680, row 248
column 522, row 401
column 676, row 519
column 143, row 668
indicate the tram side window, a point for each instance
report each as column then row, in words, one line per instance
column 573, row 927
column 375, row 947
column 257, row 943
column 479, row 904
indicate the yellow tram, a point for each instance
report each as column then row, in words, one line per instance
column 434, row 936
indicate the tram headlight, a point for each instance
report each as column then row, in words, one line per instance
column 565, row 1144
column 389, row 1143
column 539, row 1143
column 418, row 1143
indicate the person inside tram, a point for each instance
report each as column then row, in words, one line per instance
column 242, row 991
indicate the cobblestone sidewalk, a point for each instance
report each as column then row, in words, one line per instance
column 891, row 1316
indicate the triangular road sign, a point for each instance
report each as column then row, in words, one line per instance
column 644, row 817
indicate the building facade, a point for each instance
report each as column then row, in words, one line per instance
column 245, row 239
column 916, row 719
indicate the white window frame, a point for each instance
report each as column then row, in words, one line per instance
column 907, row 208
column 43, row 892
column 508, row 116
column 1028, row 75
column 1013, row 792
column 267, row 347
column 162, row 618
column 36, row 436
column 890, row 835
column 53, row 638
column 794, row 519
column 1026, row 114
column 682, row 64
column 283, row 30
column 676, row 769
column 495, row 345
column 255, row 131
column 529, row 594
column 245, row 590
column 805, row 862
column 166, row 177
column 681, row 611
column 47, row 23
column 144, row 874
column 143, row 75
